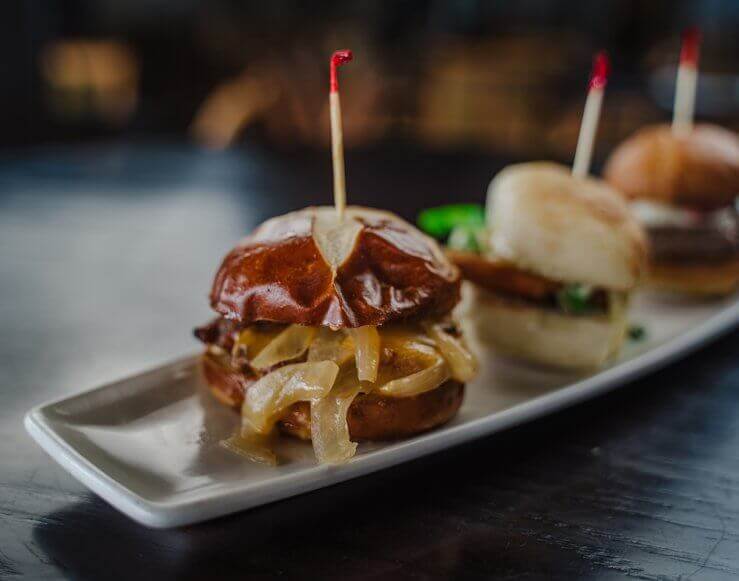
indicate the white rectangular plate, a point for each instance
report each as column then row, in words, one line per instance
column 149, row 444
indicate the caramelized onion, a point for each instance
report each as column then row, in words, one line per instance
column 399, row 361
column 401, row 357
column 271, row 395
column 461, row 361
column 405, row 355
column 425, row 380
column 251, row 445
column 367, row 349
column 329, row 428
column 328, row 345
column 288, row 345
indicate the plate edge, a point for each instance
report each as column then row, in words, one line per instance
column 143, row 511
column 161, row 515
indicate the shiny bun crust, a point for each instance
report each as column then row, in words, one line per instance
column 695, row 279
column 699, row 170
column 544, row 336
column 563, row 228
column 308, row 268
column 370, row 417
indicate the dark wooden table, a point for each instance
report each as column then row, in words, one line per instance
column 106, row 255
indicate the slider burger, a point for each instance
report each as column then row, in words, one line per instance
column 683, row 188
column 335, row 330
column 553, row 278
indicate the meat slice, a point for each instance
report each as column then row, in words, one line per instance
column 500, row 276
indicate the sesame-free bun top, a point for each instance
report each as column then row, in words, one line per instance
column 698, row 170
column 564, row 228
column 310, row 268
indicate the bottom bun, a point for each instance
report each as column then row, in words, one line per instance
column 702, row 280
column 543, row 335
column 371, row 416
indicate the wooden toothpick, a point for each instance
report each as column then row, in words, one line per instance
column 591, row 115
column 687, row 82
column 339, row 58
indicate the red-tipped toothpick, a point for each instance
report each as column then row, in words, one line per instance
column 339, row 58
column 591, row 115
column 687, row 81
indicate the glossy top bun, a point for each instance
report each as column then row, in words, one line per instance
column 307, row 267
column 699, row 170
column 563, row 228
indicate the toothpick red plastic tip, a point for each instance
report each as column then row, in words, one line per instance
column 601, row 70
column 339, row 58
column 691, row 46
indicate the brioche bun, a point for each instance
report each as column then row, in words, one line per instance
column 309, row 268
column 699, row 170
column 545, row 336
column 564, row 228
column 371, row 416
column 695, row 279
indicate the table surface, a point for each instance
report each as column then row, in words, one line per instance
column 106, row 255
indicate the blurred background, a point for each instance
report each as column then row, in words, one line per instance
column 505, row 78
column 142, row 138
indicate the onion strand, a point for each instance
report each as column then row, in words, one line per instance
column 272, row 394
column 367, row 348
column 329, row 426
column 292, row 343
column 461, row 361
column 416, row 383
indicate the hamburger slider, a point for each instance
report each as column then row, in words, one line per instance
column 683, row 187
column 683, row 180
column 554, row 271
column 335, row 329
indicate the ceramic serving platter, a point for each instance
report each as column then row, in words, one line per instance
column 149, row 444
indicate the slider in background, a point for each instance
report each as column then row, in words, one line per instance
column 683, row 188
column 553, row 281
column 683, row 181
column 557, row 257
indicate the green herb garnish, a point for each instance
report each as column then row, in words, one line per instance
column 440, row 221
column 468, row 238
column 575, row 298
column 637, row 333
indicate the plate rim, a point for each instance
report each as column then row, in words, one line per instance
column 163, row 514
